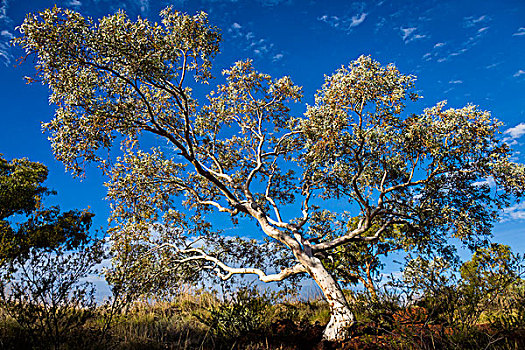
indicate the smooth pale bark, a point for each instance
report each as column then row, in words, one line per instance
column 341, row 317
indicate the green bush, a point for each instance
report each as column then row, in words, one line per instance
column 242, row 312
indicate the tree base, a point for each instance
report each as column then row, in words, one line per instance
column 338, row 329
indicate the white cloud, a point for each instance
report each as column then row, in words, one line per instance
column 493, row 65
column 515, row 212
column 480, row 19
column 251, row 43
column 489, row 181
column 478, row 28
column 3, row 11
column 379, row 24
column 459, row 52
column 277, row 57
column 144, row 5
column 75, row 3
column 7, row 34
column 236, row 31
column 344, row 23
column 455, row 82
column 520, row 32
column 517, row 131
column 328, row 20
column 519, row 73
column 452, row 54
column 409, row 34
column 481, row 30
column 357, row 20
column 4, row 55
column 472, row 21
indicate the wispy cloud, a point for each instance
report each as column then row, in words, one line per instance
column 235, row 30
column 481, row 30
column 3, row 11
column 519, row 73
column 407, row 32
column 5, row 35
column 410, row 34
column 333, row 21
column 5, row 56
column 520, row 32
column 380, row 24
column 277, row 57
column 435, row 52
column 477, row 28
column 472, row 21
column 144, row 6
column 493, row 65
column 344, row 23
column 74, row 3
column 251, row 43
column 455, row 82
column 357, row 20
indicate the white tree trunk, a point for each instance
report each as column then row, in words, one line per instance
column 342, row 318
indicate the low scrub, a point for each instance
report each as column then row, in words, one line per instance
column 251, row 319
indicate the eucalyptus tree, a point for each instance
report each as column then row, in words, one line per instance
column 240, row 152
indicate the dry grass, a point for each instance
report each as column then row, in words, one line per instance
column 189, row 321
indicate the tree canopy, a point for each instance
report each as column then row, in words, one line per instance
column 24, row 221
column 240, row 151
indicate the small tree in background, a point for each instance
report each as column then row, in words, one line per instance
column 49, row 296
column 240, row 152
column 487, row 277
column 44, row 256
column 24, row 222
column 478, row 303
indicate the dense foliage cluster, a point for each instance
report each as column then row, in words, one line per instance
column 25, row 223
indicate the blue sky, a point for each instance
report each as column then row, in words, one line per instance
column 460, row 51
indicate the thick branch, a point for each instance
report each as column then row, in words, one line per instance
column 230, row 271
